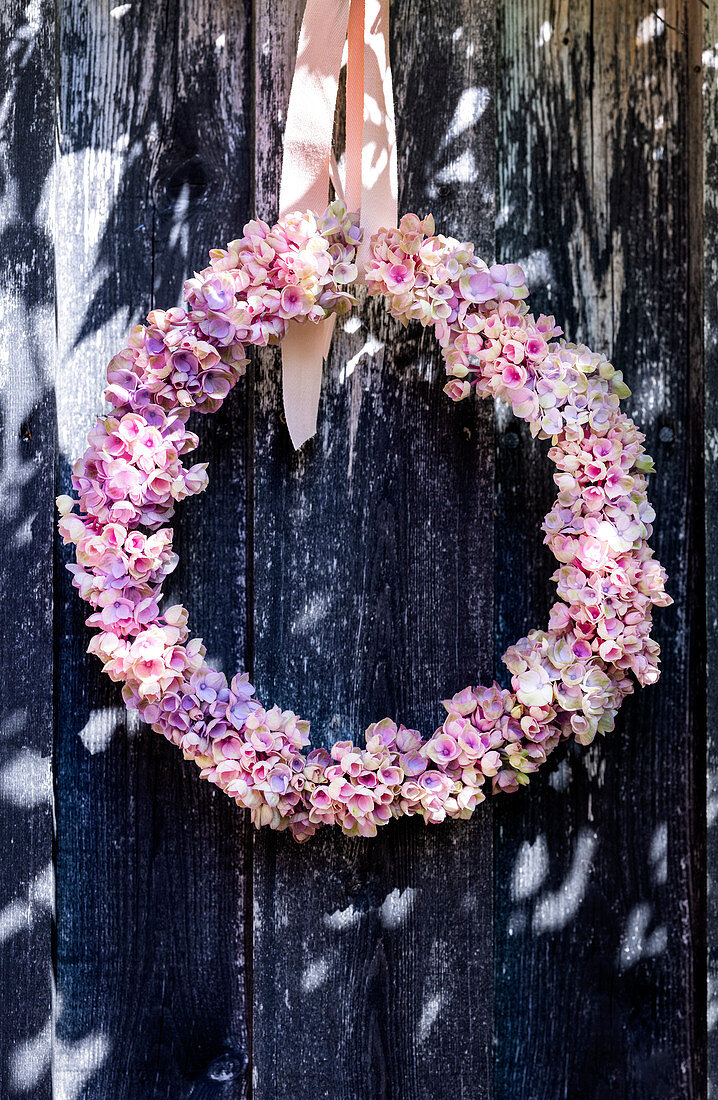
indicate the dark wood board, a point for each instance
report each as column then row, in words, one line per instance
column 709, row 180
column 27, row 293
column 151, row 862
column 372, row 581
column 598, row 918
column 553, row 947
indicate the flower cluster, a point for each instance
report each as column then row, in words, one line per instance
column 566, row 681
column 296, row 270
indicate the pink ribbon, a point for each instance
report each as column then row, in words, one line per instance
column 371, row 177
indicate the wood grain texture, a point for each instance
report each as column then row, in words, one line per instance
column 709, row 87
column 151, row 862
column 372, row 575
column 26, row 479
column 598, row 902
column 555, row 946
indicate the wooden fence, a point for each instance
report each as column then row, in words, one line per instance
column 152, row 945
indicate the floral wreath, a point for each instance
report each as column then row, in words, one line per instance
column 566, row 681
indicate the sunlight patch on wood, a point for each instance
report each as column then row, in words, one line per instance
column 555, row 910
column 530, row 869
column 25, row 780
column 396, row 907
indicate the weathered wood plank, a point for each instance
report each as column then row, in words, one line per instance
column 151, row 863
column 597, row 901
column 367, row 955
column 26, row 476
column 373, row 596
column 709, row 82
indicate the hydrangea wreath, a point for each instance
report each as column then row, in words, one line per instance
column 566, row 681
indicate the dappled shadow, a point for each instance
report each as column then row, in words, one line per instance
column 152, row 863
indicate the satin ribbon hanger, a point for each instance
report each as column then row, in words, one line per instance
column 308, row 164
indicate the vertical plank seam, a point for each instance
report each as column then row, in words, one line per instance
column 697, row 720
column 249, row 566
column 492, row 450
column 56, row 563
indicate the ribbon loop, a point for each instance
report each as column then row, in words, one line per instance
column 370, row 176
